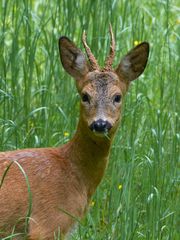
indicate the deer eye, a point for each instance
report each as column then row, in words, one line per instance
column 117, row 98
column 85, row 98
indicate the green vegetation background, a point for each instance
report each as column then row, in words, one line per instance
column 139, row 195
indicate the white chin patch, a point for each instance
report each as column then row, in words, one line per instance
column 101, row 134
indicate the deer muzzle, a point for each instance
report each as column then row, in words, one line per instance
column 100, row 126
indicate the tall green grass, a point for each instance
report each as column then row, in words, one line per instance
column 139, row 195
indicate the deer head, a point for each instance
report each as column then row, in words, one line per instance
column 101, row 90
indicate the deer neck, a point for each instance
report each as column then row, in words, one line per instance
column 90, row 157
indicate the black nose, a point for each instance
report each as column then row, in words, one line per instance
column 100, row 126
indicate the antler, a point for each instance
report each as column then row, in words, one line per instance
column 110, row 58
column 92, row 59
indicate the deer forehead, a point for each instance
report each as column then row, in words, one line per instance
column 102, row 83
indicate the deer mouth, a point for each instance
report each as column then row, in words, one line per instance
column 100, row 127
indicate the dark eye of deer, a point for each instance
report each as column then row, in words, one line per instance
column 117, row 98
column 85, row 98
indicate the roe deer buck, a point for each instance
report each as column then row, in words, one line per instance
column 62, row 180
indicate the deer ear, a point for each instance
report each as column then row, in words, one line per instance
column 133, row 64
column 72, row 58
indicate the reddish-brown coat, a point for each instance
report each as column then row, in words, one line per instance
column 61, row 180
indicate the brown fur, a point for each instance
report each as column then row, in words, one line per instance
column 62, row 180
